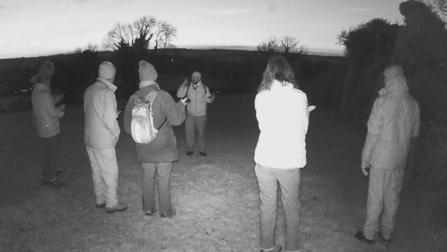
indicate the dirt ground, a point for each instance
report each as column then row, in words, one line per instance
column 216, row 196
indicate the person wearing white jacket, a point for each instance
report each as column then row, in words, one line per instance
column 101, row 133
column 283, row 117
column 393, row 123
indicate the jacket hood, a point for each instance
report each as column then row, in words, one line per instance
column 395, row 81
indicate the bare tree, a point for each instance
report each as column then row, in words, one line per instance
column 120, row 36
column 440, row 7
column 164, row 34
column 287, row 44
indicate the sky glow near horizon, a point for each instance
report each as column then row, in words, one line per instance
column 31, row 28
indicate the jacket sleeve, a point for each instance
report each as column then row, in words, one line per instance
column 175, row 112
column 181, row 92
column 50, row 108
column 418, row 123
column 110, row 115
column 128, row 115
column 375, row 124
column 209, row 97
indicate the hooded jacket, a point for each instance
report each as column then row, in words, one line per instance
column 163, row 149
column 393, row 122
column 46, row 115
column 283, row 118
column 101, row 129
column 199, row 96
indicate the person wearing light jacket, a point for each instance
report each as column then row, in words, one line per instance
column 157, row 156
column 196, row 116
column 392, row 126
column 101, row 133
column 46, row 119
column 283, row 116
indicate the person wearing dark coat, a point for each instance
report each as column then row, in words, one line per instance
column 157, row 156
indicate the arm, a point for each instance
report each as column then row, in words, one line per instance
column 209, row 96
column 175, row 112
column 183, row 89
column 111, row 115
column 375, row 123
column 51, row 109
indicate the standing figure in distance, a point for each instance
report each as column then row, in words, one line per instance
column 198, row 95
column 101, row 133
column 157, row 156
column 283, row 117
column 392, row 124
column 46, row 119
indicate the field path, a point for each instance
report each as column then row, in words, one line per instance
column 216, row 197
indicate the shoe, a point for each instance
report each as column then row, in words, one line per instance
column 170, row 214
column 100, row 205
column 359, row 235
column 276, row 249
column 383, row 239
column 189, row 153
column 202, row 153
column 54, row 183
column 117, row 208
column 150, row 213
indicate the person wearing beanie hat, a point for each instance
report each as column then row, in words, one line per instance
column 46, row 119
column 101, row 133
column 157, row 156
column 392, row 126
column 199, row 96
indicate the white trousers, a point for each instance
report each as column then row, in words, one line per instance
column 383, row 195
column 105, row 175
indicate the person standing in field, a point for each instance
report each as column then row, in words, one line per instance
column 283, row 116
column 101, row 133
column 157, row 156
column 46, row 119
column 198, row 95
column 392, row 124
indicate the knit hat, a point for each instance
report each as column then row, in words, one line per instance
column 107, row 70
column 147, row 71
column 45, row 73
column 197, row 74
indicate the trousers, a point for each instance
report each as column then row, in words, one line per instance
column 193, row 123
column 163, row 171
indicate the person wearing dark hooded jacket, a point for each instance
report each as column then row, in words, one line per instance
column 392, row 126
column 46, row 119
column 157, row 156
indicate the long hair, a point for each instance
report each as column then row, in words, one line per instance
column 277, row 69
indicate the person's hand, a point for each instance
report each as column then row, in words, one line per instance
column 62, row 107
column 311, row 107
column 185, row 82
column 184, row 101
column 365, row 170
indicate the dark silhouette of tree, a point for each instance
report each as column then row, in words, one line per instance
column 286, row 45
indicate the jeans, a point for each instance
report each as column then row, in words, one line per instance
column 289, row 180
column 49, row 156
column 383, row 194
column 163, row 171
column 104, row 175
column 193, row 123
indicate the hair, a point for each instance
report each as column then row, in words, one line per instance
column 278, row 68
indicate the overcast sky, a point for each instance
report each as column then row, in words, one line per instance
column 31, row 28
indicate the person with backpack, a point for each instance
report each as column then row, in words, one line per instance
column 154, row 137
column 101, row 133
column 198, row 96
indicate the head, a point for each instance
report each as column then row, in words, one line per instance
column 196, row 77
column 45, row 73
column 277, row 69
column 107, row 71
column 147, row 73
column 394, row 80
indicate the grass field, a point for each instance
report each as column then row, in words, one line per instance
column 216, row 197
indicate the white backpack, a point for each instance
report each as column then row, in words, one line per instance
column 142, row 123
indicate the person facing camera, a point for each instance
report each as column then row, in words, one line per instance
column 155, row 155
column 198, row 96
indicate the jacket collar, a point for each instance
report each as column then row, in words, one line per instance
column 107, row 83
